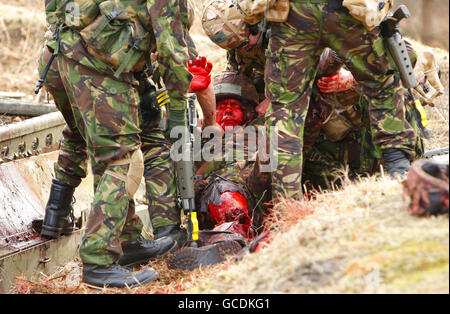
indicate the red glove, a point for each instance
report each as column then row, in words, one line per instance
column 201, row 70
column 337, row 83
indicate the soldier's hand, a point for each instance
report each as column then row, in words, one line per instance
column 200, row 68
column 336, row 83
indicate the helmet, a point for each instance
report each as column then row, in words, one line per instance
column 230, row 84
column 233, row 84
column 224, row 24
column 232, row 208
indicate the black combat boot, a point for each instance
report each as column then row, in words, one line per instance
column 142, row 250
column 190, row 258
column 396, row 161
column 175, row 232
column 58, row 217
column 116, row 276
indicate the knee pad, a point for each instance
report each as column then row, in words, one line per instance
column 135, row 172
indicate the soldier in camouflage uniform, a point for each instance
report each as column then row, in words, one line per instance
column 246, row 45
column 294, row 50
column 338, row 136
column 159, row 173
column 159, row 170
column 100, row 106
column 236, row 98
column 231, row 196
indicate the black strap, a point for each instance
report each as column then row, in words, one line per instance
column 436, row 207
column 334, row 5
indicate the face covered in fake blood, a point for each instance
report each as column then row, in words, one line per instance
column 229, row 113
column 232, row 208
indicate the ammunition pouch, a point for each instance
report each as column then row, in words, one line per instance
column 369, row 12
column 135, row 172
column 336, row 127
column 426, row 72
column 345, row 114
column 112, row 34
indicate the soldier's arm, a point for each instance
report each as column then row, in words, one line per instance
column 169, row 21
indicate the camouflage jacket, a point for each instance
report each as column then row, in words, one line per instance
column 164, row 23
column 247, row 60
column 250, row 61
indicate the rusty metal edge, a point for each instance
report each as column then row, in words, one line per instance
column 32, row 136
column 46, row 258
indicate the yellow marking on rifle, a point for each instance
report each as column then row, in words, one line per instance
column 195, row 229
column 422, row 112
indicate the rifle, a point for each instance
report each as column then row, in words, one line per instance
column 391, row 32
column 436, row 152
column 184, row 170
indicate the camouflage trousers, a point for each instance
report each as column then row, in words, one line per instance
column 292, row 57
column 102, row 117
column 72, row 159
column 327, row 162
column 159, row 175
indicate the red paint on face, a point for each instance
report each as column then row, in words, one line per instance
column 229, row 113
column 232, row 207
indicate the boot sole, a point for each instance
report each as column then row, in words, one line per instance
column 154, row 277
column 146, row 260
column 54, row 233
column 191, row 258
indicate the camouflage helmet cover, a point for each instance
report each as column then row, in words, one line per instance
column 224, row 24
column 233, row 84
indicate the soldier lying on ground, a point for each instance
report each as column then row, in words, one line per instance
column 234, row 194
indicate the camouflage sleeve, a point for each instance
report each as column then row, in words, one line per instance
column 232, row 64
column 192, row 50
column 169, row 21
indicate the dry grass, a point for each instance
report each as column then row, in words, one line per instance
column 358, row 240
column 22, row 27
column 67, row 280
